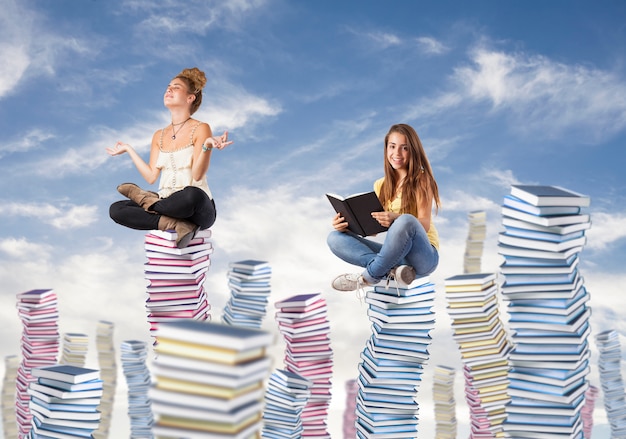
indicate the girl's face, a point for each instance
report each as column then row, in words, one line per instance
column 398, row 151
column 176, row 92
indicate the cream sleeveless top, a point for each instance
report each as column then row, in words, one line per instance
column 175, row 168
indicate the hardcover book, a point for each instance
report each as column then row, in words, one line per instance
column 357, row 211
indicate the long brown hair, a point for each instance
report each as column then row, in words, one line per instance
column 419, row 182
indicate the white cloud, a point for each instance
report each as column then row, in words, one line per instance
column 22, row 249
column 545, row 95
column 538, row 96
column 431, row 46
column 26, row 142
column 31, row 49
column 14, row 45
column 63, row 216
column 607, row 230
column 170, row 17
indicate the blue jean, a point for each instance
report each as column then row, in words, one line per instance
column 406, row 243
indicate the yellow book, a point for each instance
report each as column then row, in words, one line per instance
column 495, row 363
column 469, row 288
column 499, row 397
column 477, row 319
column 207, row 353
column 476, row 304
column 196, row 388
column 477, row 343
column 476, row 329
column 209, row 426
column 489, row 375
column 489, row 389
column 482, row 352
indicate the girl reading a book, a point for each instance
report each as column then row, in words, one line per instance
column 407, row 193
column 180, row 153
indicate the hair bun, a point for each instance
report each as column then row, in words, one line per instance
column 196, row 77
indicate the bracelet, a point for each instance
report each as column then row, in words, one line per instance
column 205, row 147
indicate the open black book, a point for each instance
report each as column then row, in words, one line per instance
column 357, row 210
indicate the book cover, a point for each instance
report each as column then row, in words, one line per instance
column 546, row 195
column 66, row 373
column 357, row 211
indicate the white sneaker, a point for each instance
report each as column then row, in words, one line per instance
column 402, row 274
column 349, row 282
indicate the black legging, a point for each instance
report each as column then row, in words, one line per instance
column 190, row 203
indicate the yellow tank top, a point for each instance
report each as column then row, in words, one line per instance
column 396, row 204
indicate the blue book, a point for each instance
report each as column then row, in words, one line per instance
column 66, row 373
column 87, row 385
column 543, row 236
column 67, row 407
column 548, row 195
column 545, row 210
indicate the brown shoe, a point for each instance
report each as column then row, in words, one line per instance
column 185, row 230
column 145, row 199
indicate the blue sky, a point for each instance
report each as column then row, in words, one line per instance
column 499, row 92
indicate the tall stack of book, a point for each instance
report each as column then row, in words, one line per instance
column 64, row 401
column 390, row 372
column 479, row 333
column 74, row 351
column 40, row 345
column 349, row 414
column 249, row 283
column 9, row 426
column 108, row 374
column 175, row 277
column 609, row 365
column 587, row 411
column 445, row 404
column 547, row 307
column 286, row 395
column 475, row 241
column 303, row 322
column 133, row 355
column 208, row 380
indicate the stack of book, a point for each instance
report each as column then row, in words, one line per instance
column 175, row 277
column 390, row 373
column 208, row 380
column 479, row 333
column 133, row 355
column 475, row 241
column 587, row 411
column 39, row 344
column 547, row 307
column 303, row 321
column 108, row 375
column 9, row 426
column 609, row 366
column 286, row 395
column 445, row 404
column 64, row 401
column 349, row 413
column 249, row 283
column 74, row 351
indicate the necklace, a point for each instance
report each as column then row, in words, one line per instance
column 175, row 131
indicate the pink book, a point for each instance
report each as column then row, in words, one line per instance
column 175, row 282
column 176, row 295
column 177, row 262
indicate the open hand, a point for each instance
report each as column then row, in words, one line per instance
column 219, row 142
column 119, row 148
